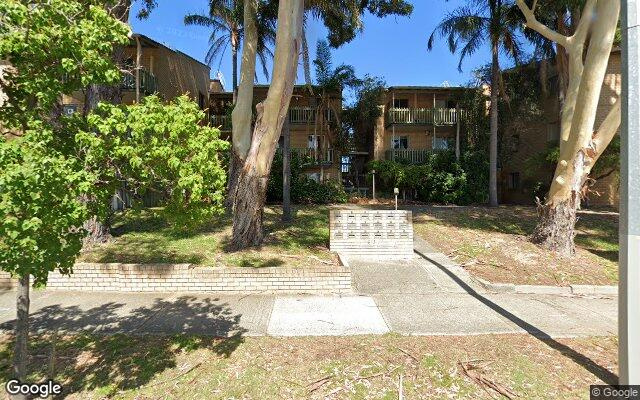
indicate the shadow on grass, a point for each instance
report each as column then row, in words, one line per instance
column 110, row 355
column 599, row 371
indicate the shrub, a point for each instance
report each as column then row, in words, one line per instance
column 440, row 179
column 303, row 189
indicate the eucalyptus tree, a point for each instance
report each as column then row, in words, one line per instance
column 581, row 143
column 493, row 23
column 253, row 149
column 226, row 20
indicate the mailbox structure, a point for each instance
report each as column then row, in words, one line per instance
column 379, row 233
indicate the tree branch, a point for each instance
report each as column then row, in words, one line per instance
column 542, row 29
column 607, row 131
column 581, row 33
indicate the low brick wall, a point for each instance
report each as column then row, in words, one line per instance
column 189, row 278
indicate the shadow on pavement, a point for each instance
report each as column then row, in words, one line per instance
column 124, row 359
column 601, row 372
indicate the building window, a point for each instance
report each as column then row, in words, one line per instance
column 345, row 164
column 553, row 133
column 451, row 104
column 441, row 143
column 515, row 143
column 401, row 103
column 514, row 181
column 314, row 142
column 400, row 143
column 69, row 109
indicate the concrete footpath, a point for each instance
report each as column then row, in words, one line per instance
column 427, row 295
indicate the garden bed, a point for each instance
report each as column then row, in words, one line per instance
column 493, row 244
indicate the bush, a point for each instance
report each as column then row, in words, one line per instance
column 303, row 189
column 440, row 179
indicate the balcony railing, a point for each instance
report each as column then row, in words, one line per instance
column 221, row 121
column 313, row 156
column 412, row 156
column 303, row 115
column 148, row 82
column 428, row 116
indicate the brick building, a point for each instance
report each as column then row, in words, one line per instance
column 415, row 121
column 526, row 139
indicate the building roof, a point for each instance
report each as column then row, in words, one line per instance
column 152, row 43
column 430, row 88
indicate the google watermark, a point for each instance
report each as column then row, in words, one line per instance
column 617, row 392
column 42, row 390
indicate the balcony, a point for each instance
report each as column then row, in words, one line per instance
column 221, row 121
column 304, row 115
column 424, row 116
column 313, row 157
column 413, row 156
column 148, row 82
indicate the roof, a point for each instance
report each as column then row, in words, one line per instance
column 153, row 43
column 438, row 88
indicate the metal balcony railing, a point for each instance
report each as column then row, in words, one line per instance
column 313, row 156
column 428, row 116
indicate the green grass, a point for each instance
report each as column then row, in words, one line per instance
column 265, row 368
column 145, row 236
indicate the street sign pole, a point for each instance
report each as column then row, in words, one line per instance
column 629, row 286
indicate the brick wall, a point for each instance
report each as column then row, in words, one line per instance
column 187, row 278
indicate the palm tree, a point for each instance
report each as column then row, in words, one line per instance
column 492, row 22
column 225, row 17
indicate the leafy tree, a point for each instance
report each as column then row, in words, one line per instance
column 359, row 119
column 52, row 47
column 225, row 18
column 492, row 22
column 158, row 147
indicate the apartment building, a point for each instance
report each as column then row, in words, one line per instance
column 417, row 120
column 527, row 139
column 153, row 68
column 312, row 118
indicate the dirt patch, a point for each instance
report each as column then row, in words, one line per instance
column 493, row 243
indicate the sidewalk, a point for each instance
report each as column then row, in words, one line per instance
column 427, row 295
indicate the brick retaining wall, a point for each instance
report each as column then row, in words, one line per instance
column 189, row 278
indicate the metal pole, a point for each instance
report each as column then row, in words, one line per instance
column 374, row 184
column 629, row 286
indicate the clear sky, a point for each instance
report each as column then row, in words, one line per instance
column 393, row 48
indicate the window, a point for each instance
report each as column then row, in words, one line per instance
column 514, row 181
column 451, row 104
column 401, row 103
column 515, row 143
column 314, row 142
column 441, row 143
column 400, row 143
column 553, row 133
column 441, row 104
column 345, row 166
column 69, row 109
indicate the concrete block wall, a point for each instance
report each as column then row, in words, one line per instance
column 188, row 278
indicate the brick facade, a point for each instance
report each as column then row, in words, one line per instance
column 188, row 278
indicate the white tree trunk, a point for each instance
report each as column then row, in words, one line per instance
column 271, row 113
column 580, row 147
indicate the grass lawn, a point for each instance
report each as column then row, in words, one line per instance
column 492, row 243
column 146, row 237
column 357, row 367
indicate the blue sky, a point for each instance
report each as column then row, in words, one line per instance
column 393, row 48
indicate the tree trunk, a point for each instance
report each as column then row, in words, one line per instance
column 271, row 114
column 493, row 140
column 243, row 109
column 234, row 57
column 457, row 133
column 556, row 227
column 286, row 172
column 580, row 147
column 21, row 354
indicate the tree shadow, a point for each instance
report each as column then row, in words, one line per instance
column 599, row 371
column 119, row 349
